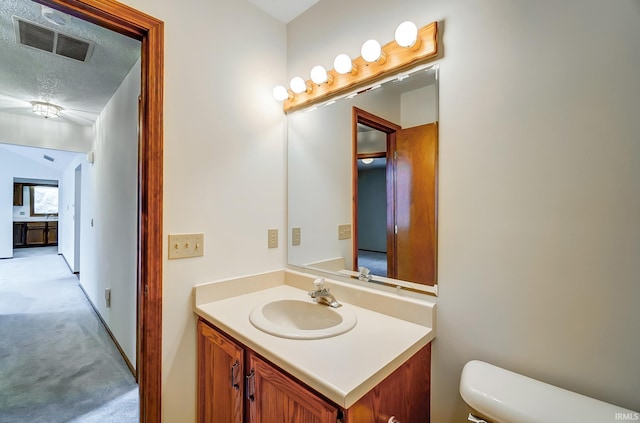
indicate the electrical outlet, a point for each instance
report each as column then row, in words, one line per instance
column 295, row 236
column 186, row 245
column 273, row 238
column 344, row 231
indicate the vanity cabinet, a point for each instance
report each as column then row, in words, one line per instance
column 236, row 385
column 271, row 396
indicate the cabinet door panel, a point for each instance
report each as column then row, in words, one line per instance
column 404, row 394
column 52, row 233
column 278, row 398
column 220, row 375
column 36, row 234
column 19, row 234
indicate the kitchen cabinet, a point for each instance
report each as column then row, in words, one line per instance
column 18, row 194
column 35, row 234
column 268, row 394
column 19, row 234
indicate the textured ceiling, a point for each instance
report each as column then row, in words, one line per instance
column 81, row 89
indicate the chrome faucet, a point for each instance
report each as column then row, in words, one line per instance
column 364, row 274
column 321, row 294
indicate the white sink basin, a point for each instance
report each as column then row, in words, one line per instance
column 295, row 319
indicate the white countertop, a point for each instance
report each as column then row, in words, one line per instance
column 343, row 368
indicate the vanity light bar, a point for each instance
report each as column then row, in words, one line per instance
column 396, row 59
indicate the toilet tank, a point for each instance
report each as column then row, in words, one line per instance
column 501, row 396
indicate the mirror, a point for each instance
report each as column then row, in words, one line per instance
column 345, row 213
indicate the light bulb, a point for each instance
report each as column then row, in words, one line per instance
column 406, row 34
column 342, row 64
column 280, row 93
column 298, row 85
column 319, row 75
column 371, row 51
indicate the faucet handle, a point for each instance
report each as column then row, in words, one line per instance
column 318, row 284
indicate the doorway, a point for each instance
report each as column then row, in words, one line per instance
column 77, row 214
column 409, row 182
column 150, row 31
column 374, row 193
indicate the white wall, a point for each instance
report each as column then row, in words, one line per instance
column 320, row 196
column 224, row 162
column 109, row 232
column 539, row 205
column 68, row 213
column 16, row 166
column 45, row 133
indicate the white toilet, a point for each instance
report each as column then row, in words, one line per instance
column 496, row 395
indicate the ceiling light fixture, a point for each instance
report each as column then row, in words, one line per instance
column 367, row 161
column 55, row 17
column 46, row 110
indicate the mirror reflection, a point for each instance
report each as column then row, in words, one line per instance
column 362, row 182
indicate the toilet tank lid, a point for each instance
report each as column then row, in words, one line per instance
column 507, row 397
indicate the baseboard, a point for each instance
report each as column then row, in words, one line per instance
column 113, row 338
column 75, row 273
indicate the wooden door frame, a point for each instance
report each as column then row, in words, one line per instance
column 125, row 20
column 360, row 116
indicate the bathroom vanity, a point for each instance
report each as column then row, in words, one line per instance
column 378, row 371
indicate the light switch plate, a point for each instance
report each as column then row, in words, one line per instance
column 344, row 231
column 273, row 238
column 295, row 236
column 186, row 245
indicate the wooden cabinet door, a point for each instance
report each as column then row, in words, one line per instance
column 19, row 234
column 52, row 233
column 18, row 194
column 220, row 377
column 36, row 233
column 274, row 397
column 404, row 395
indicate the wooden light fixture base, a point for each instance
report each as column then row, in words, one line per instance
column 397, row 59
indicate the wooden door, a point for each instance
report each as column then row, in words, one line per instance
column 220, row 377
column 274, row 397
column 416, row 205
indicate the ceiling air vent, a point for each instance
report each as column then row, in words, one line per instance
column 36, row 36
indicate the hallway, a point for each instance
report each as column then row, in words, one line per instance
column 57, row 362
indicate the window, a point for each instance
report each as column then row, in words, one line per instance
column 44, row 200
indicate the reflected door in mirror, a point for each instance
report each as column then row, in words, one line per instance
column 415, row 172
